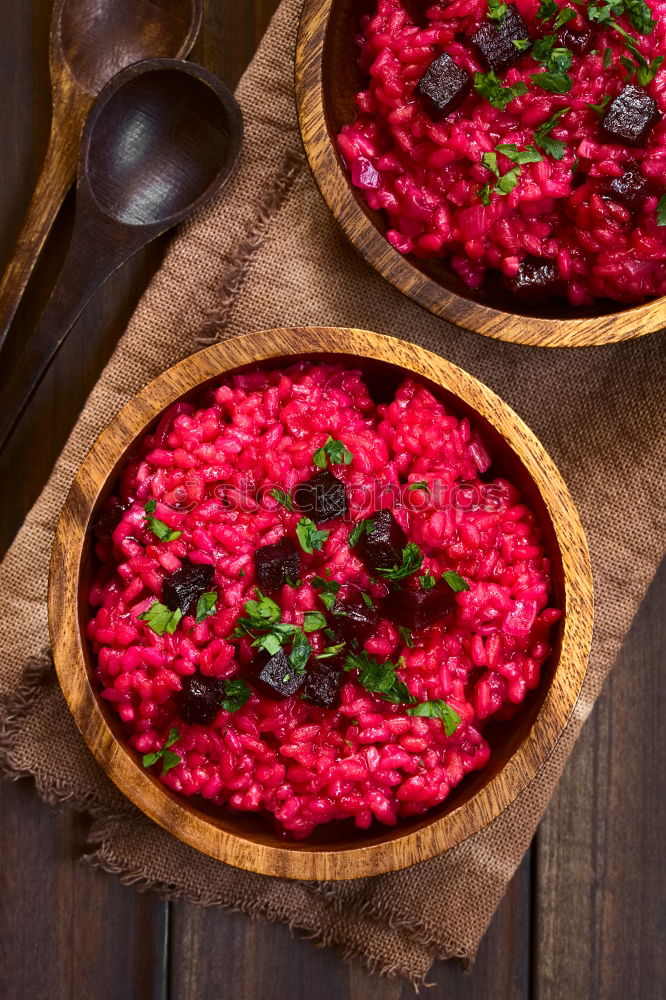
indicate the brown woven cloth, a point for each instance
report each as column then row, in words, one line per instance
column 268, row 254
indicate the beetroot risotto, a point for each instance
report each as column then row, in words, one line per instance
column 308, row 605
column 523, row 138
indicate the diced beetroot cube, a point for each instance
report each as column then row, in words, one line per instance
column 495, row 41
column 537, row 277
column 631, row 116
column 417, row 608
column 579, row 40
column 631, row 189
column 382, row 547
column 277, row 678
column 277, row 564
column 322, row 686
column 200, row 699
column 444, row 86
column 108, row 519
column 322, row 497
column 184, row 587
column 354, row 619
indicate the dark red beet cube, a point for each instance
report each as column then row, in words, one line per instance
column 579, row 40
column 443, row 86
column 417, row 608
column 184, row 587
column 353, row 618
column 495, row 41
column 631, row 116
column 277, row 678
column 201, row 699
column 631, row 189
column 322, row 497
column 109, row 519
column 277, row 564
column 382, row 547
column 537, row 277
column 322, row 686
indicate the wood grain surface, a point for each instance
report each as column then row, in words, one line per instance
column 519, row 750
column 327, row 78
column 581, row 917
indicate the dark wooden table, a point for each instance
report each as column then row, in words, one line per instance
column 584, row 915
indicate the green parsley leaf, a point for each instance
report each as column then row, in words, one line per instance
column 366, row 525
column 521, row 43
column 646, row 73
column 490, row 87
column 329, row 651
column 161, row 530
column 555, row 83
column 169, row 760
column 455, row 581
column 565, row 14
column 519, row 156
column 168, row 757
column 283, row 498
column 661, row 211
column 161, row 619
column 421, row 485
column 599, row 108
column 428, row 581
column 547, row 9
column 507, row 183
column 310, row 537
column 640, row 16
column 412, row 559
column 333, row 450
column 264, row 611
column 380, row 678
column 236, row 693
column 206, row 606
column 329, row 590
column 607, row 57
column 489, row 160
column 574, row 165
column 313, row 621
column 300, row 653
column 485, row 194
column 496, row 10
column 438, row 709
column 554, row 147
column 173, row 737
column 406, row 637
column 270, row 643
column 368, row 600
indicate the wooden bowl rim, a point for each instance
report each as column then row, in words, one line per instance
column 120, row 763
column 398, row 269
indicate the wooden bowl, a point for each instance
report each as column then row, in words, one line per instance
column 327, row 78
column 520, row 748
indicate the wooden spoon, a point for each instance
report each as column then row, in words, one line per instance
column 91, row 40
column 162, row 138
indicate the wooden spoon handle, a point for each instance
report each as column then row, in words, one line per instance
column 96, row 251
column 54, row 182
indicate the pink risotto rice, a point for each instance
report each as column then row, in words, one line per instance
column 197, row 492
column 591, row 205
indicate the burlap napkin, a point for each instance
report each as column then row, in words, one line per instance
column 267, row 254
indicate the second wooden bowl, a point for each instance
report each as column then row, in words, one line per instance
column 519, row 749
column 327, row 80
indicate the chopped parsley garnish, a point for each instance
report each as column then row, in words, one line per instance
column 283, row 498
column 161, row 619
column 168, row 757
column 566, row 14
column 519, row 156
column 600, row 108
column 557, row 61
column 328, row 590
column 490, row 87
column 313, row 621
column 438, row 709
column 406, row 637
column 661, row 211
column 505, row 182
column 380, row 678
column 262, row 613
column 639, row 16
column 329, row 651
column 645, row 72
column 496, row 10
column 547, row 9
column 607, row 57
column 428, row 581
column 455, row 581
column 412, row 559
column 542, row 138
column 161, row 530
column 206, row 606
column 521, row 43
column 366, row 525
column 421, row 485
column 333, row 450
column 368, row 600
column 300, row 653
column 309, row 535
column 236, row 692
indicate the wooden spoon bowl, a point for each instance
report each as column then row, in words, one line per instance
column 519, row 748
column 327, row 80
